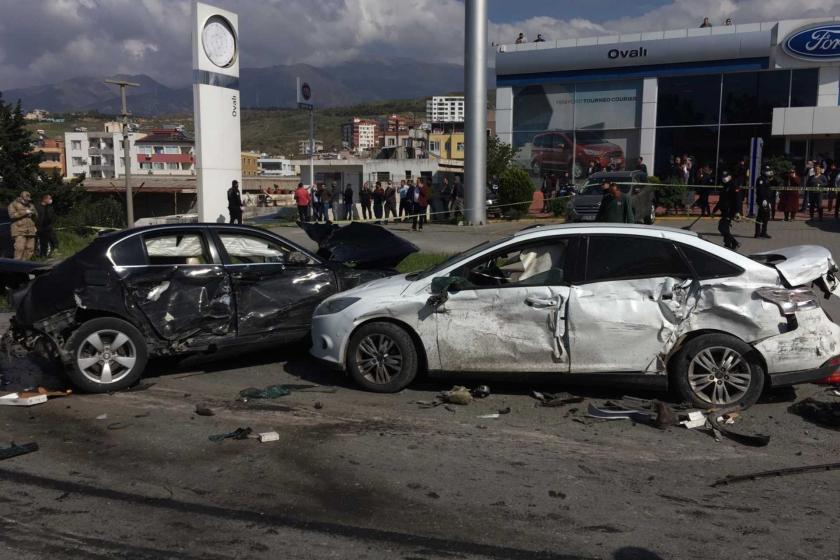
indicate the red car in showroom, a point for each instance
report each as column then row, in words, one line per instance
column 554, row 151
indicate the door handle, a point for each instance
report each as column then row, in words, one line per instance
column 533, row 301
column 236, row 275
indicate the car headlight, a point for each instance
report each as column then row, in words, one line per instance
column 336, row 305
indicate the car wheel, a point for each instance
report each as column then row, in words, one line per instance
column 108, row 354
column 381, row 357
column 650, row 218
column 718, row 370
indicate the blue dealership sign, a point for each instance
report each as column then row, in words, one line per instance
column 815, row 42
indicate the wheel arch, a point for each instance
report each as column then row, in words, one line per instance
column 684, row 339
column 423, row 363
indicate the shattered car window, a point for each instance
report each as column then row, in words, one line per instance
column 709, row 266
column 250, row 250
column 174, row 249
column 615, row 257
column 540, row 263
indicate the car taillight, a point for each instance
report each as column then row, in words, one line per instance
column 834, row 376
column 790, row 301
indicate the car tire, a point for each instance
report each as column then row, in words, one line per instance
column 717, row 371
column 111, row 342
column 651, row 217
column 381, row 357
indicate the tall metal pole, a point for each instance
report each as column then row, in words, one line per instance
column 311, row 146
column 475, row 129
column 129, row 198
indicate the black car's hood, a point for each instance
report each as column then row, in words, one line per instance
column 365, row 245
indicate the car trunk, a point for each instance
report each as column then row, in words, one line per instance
column 802, row 265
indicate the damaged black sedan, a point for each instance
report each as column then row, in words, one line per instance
column 174, row 289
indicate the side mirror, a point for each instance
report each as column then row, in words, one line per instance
column 441, row 287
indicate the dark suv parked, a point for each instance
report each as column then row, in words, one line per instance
column 584, row 206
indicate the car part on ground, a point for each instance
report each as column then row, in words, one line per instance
column 775, row 473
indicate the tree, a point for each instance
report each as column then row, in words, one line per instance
column 18, row 163
column 499, row 157
column 516, row 190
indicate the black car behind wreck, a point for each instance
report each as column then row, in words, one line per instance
column 173, row 289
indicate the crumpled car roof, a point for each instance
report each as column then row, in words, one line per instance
column 366, row 245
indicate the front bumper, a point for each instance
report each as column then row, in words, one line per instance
column 329, row 339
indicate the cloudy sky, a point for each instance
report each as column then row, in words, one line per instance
column 44, row 41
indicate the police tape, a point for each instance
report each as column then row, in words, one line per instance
column 695, row 188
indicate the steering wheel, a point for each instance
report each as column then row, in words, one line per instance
column 491, row 272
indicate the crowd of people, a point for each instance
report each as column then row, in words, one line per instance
column 32, row 226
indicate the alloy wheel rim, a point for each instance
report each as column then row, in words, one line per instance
column 379, row 358
column 719, row 375
column 106, row 356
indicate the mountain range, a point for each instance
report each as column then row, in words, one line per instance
column 332, row 86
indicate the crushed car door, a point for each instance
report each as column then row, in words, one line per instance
column 622, row 317
column 180, row 290
column 276, row 286
column 507, row 311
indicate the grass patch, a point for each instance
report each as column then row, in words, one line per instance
column 421, row 261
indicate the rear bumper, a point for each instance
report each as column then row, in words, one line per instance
column 804, row 376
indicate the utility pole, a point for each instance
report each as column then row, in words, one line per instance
column 312, row 145
column 129, row 199
column 475, row 129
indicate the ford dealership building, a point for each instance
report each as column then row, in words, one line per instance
column 703, row 93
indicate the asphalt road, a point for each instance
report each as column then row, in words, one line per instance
column 359, row 475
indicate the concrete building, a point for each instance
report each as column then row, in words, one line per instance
column 697, row 93
column 277, row 167
column 360, row 134
column 358, row 171
column 52, row 156
column 250, row 166
column 445, row 109
column 98, row 155
column 36, row 115
column 166, row 152
column 303, row 147
column 447, row 145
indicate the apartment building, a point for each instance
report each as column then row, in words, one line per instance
column 303, row 147
column 52, row 156
column 278, row 167
column 360, row 134
column 97, row 155
column 166, row 152
column 250, row 165
column 445, row 109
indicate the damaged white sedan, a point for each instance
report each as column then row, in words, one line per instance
column 596, row 299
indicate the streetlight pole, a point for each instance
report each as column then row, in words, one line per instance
column 129, row 199
column 475, row 129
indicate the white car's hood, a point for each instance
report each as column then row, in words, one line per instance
column 391, row 285
column 801, row 264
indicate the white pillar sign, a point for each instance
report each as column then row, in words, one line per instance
column 217, row 106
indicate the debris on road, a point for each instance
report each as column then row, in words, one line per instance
column 775, row 473
column 270, row 392
column 266, row 437
column 820, row 412
column 481, row 392
column 318, row 405
column 102, row 417
column 505, row 410
column 238, row 433
column 555, row 399
column 15, row 399
column 14, row 450
column 718, row 425
column 457, row 395
column 612, row 412
column 488, row 416
column 696, row 419
column 203, row 410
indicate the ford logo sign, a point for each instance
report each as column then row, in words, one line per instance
column 821, row 42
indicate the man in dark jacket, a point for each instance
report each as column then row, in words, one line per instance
column 730, row 209
column 45, row 221
column 764, row 200
column 234, row 203
column 348, row 202
column 616, row 207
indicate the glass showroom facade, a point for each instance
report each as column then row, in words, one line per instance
column 582, row 105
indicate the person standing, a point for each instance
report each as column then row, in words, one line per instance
column 234, row 203
column 616, row 207
column 763, row 192
column 47, row 240
column 301, row 197
column 421, row 201
column 23, row 228
column 446, row 197
column 364, row 198
column 335, row 199
column 390, row 202
column 789, row 201
column 707, row 183
column 539, row 38
column 641, row 165
column 457, row 199
column 348, row 202
column 831, row 195
column 405, row 206
column 378, row 202
column 730, row 209
column 315, row 203
column 816, row 183
column 520, row 39
column 836, row 185
column 809, row 172
column 326, row 202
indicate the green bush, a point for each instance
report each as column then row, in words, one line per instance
column 516, row 192
column 669, row 196
column 101, row 212
column 558, row 206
